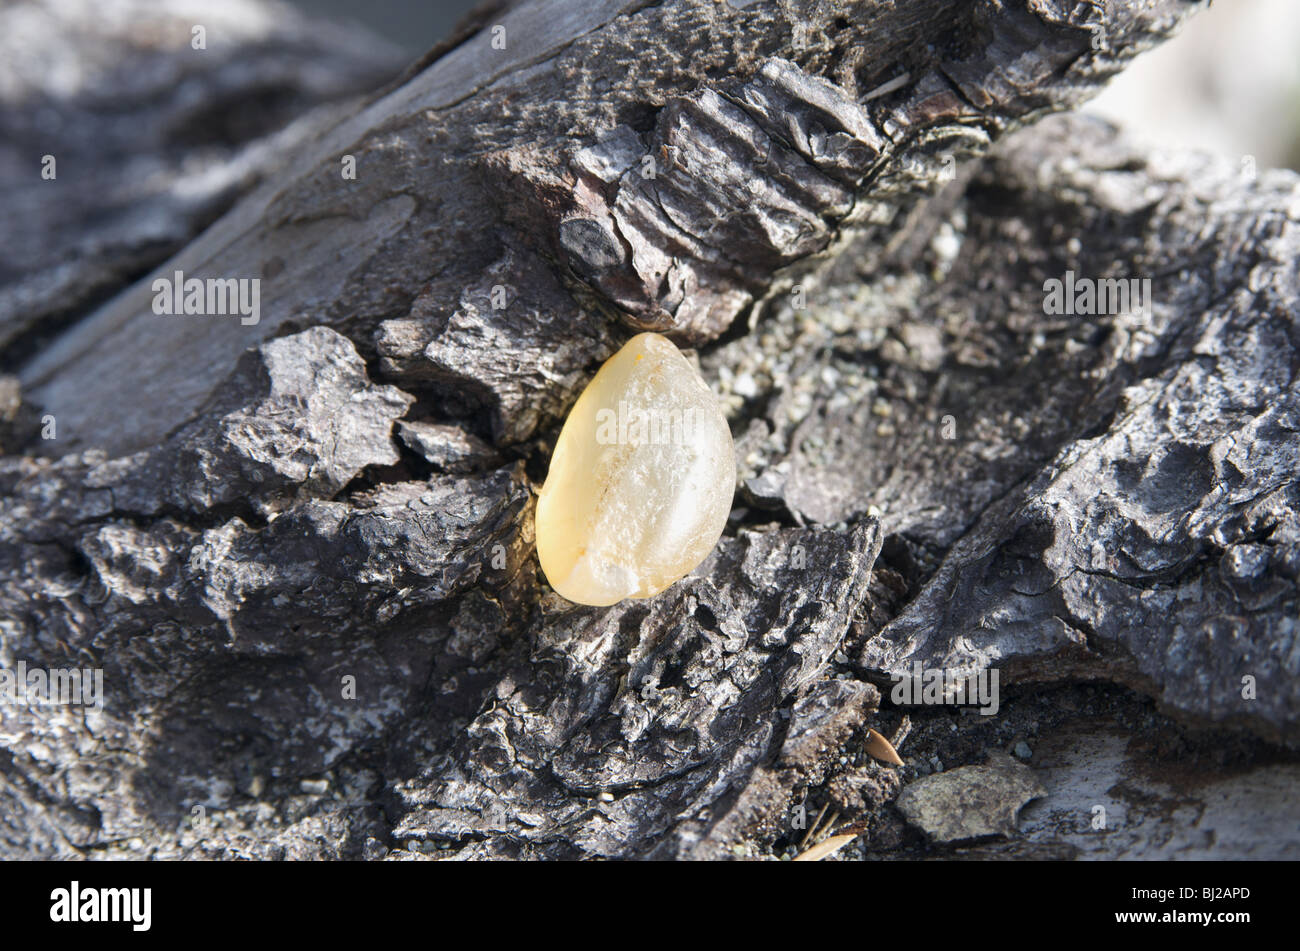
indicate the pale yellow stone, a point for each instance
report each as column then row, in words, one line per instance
column 641, row 480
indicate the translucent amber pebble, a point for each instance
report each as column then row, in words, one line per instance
column 641, row 480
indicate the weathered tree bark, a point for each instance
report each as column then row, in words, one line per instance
column 301, row 549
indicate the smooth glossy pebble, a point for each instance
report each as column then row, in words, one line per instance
column 641, row 481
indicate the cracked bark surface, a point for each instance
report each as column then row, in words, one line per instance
column 302, row 551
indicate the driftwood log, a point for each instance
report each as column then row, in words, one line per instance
column 300, row 548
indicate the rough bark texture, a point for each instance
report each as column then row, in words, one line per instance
column 301, row 551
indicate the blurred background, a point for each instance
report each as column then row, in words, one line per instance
column 414, row 25
column 1229, row 84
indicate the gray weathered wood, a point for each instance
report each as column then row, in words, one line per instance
column 237, row 522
